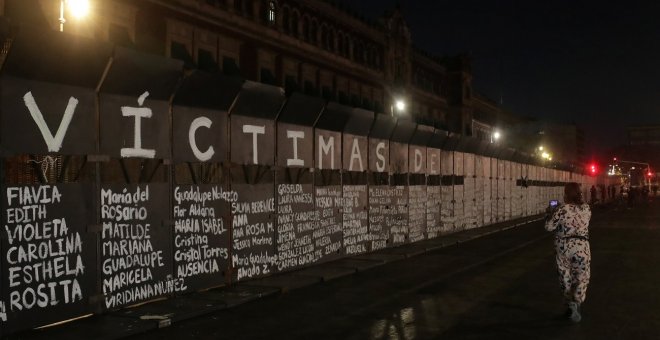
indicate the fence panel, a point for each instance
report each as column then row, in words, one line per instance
column 458, row 186
column 254, row 215
column 417, row 169
column 399, row 166
column 381, row 202
column 202, row 200
column 355, row 153
column 479, row 189
column 447, row 208
column 328, row 193
column 488, row 190
column 434, row 186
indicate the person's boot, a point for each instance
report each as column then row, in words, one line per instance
column 574, row 309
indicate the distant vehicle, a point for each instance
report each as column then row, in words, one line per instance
column 637, row 178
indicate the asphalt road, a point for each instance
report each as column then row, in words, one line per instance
column 500, row 286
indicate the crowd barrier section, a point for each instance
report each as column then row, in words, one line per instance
column 126, row 178
column 417, row 182
column 303, row 236
column 543, row 188
column 479, row 189
column 252, row 159
column 201, row 206
column 525, row 187
column 501, row 189
column 508, row 187
column 434, row 202
column 354, row 181
column 447, row 192
column 488, row 188
column 534, row 188
column 494, row 197
column 48, row 246
column 382, row 208
column 399, row 165
column 327, row 173
column 516, row 191
column 469, row 192
column 459, row 190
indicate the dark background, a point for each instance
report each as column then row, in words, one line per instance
column 596, row 64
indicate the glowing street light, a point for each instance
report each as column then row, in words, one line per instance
column 541, row 148
column 495, row 136
column 78, row 8
column 399, row 106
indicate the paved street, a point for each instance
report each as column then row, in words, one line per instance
column 499, row 286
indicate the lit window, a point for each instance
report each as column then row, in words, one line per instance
column 271, row 12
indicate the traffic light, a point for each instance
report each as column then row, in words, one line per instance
column 649, row 173
column 593, row 169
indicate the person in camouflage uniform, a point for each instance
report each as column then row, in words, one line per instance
column 570, row 223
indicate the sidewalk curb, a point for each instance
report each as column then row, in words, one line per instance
column 161, row 314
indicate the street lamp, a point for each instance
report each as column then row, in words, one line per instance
column 78, row 9
column 399, row 105
column 495, row 136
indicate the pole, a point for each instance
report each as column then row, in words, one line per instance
column 62, row 20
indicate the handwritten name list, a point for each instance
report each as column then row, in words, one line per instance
column 43, row 251
column 253, row 232
column 417, row 212
column 297, row 224
column 328, row 236
column 201, row 238
column 134, row 260
column 355, row 219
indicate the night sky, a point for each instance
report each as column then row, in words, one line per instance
column 596, row 64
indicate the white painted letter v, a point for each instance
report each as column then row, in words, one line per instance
column 54, row 143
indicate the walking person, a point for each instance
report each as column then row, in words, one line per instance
column 570, row 223
column 593, row 194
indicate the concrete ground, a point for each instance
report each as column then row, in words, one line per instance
column 499, row 286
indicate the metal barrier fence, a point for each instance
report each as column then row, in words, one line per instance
column 125, row 179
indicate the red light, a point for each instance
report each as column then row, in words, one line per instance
column 649, row 174
column 615, row 159
column 593, row 169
